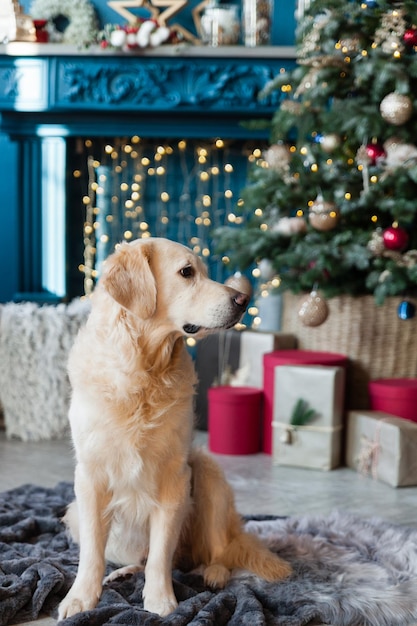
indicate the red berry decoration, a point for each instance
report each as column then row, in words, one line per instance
column 395, row 238
column 410, row 37
column 375, row 152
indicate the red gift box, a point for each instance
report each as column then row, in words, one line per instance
column 234, row 419
column 288, row 357
column 397, row 396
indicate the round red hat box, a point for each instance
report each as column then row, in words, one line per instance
column 234, row 419
column 397, row 396
column 289, row 357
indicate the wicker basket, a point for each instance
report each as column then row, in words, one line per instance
column 378, row 343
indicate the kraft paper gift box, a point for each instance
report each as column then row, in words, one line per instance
column 238, row 354
column 279, row 358
column 318, row 444
column 253, row 346
column 382, row 446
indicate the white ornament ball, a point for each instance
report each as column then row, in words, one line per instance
column 313, row 310
column 118, row 38
column 289, row 226
column 399, row 153
column 396, row 108
column 143, row 36
column 277, row 156
column 240, row 283
column 283, row 226
column 159, row 36
column 330, row 142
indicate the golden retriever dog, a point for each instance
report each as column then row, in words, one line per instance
column 144, row 498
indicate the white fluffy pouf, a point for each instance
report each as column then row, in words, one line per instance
column 34, row 387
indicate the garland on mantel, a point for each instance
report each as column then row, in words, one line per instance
column 82, row 21
column 143, row 34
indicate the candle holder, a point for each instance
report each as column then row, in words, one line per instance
column 257, row 19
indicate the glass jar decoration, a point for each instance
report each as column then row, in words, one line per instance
column 257, row 20
column 220, row 25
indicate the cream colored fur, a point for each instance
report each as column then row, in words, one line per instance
column 144, row 498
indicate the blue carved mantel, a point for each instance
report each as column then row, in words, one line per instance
column 51, row 92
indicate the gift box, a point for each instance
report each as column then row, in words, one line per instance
column 288, row 357
column 233, row 357
column 316, row 444
column 382, row 446
column 396, row 396
column 234, row 420
column 253, row 346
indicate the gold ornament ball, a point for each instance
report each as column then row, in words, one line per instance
column 323, row 215
column 396, row 108
column 313, row 310
column 240, row 283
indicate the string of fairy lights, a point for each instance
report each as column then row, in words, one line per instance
column 179, row 189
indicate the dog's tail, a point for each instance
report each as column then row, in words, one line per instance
column 219, row 540
column 248, row 552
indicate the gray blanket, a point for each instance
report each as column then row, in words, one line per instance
column 347, row 572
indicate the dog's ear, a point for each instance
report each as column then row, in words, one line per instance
column 128, row 278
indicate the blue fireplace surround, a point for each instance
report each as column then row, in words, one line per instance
column 50, row 93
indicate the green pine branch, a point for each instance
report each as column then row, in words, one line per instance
column 302, row 414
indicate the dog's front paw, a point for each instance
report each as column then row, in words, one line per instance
column 161, row 606
column 74, row 603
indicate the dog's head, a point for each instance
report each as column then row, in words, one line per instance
column 164, row 281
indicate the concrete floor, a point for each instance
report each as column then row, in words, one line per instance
column 260, row 487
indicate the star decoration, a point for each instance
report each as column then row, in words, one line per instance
column 172, row 7
column 120, row 7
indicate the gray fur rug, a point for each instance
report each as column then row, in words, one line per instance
column 347, row 572
column 34, row 387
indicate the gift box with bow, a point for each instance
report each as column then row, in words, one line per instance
column 382, row 446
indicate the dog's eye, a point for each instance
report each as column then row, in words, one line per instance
column 187, row 271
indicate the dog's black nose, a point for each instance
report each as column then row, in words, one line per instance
column 241, row 300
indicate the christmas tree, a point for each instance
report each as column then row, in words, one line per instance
column 333, row 201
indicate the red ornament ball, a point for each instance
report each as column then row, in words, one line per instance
column 410, row 37
column 375, row 152
column 395, row 238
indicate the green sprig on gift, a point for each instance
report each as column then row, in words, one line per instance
column 302, row 413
